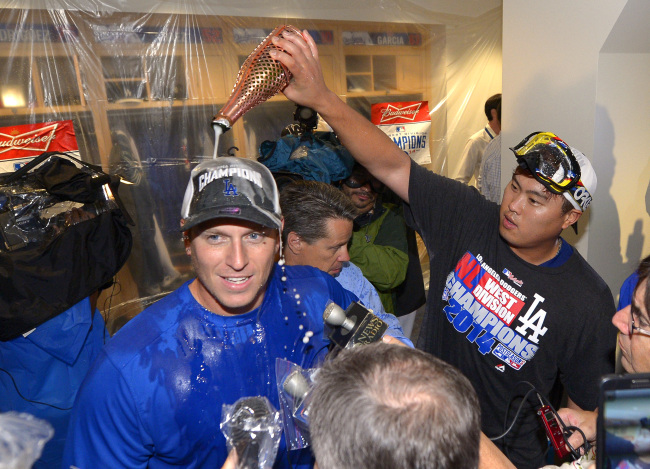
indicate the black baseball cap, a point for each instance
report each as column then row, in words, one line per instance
column 231, row 187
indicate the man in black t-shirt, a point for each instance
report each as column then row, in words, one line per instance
column 510, row 303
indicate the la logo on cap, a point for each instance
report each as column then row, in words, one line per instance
column 231, row 189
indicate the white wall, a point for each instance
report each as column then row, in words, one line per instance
column 550, row 75
column 620, row 229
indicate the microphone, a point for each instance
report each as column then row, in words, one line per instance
column 335, row 316
column 354, row 326
column 251, row 431
column 260, row 78
column 297, row 386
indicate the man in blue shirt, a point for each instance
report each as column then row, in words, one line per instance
column 318, row 221
column 154, row 397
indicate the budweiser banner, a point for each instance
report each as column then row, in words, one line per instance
column 407, row 124
column 20, row 143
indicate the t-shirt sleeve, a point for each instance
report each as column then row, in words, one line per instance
column 446, row 212
column 105, row 429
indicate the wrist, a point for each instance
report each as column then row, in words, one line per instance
column 327, row 104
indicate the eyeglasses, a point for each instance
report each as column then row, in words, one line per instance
column 550, row 161
column 633, row 328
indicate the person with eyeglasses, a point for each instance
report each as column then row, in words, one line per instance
column 633, row 323
column 379, row 245
column 510, row 302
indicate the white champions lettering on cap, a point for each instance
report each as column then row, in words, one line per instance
column 207, row 178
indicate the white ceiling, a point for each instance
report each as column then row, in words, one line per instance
column 356, row 9
column 458, row 7
column 359, row 10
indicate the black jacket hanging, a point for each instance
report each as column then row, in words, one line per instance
column 64, row 235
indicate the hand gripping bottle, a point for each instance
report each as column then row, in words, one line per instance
column 259, row 78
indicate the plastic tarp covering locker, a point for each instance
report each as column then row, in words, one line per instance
column 141, row 81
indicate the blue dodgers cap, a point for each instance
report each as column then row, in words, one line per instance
column 231, row 187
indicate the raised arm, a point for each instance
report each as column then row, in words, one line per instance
column 369, row 145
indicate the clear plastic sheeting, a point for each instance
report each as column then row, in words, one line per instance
column 294, row 391
column 252, row 428
column 32, row 214
column 141, row 81
column 22, row 437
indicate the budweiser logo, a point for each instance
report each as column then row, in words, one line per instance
column 407, row 112
column 34, row 140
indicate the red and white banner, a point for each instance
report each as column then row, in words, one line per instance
column 21, row 143
column 407, row 124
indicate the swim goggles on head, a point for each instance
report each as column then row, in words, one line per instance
column 550, row 161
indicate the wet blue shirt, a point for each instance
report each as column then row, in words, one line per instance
column 154, row 396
